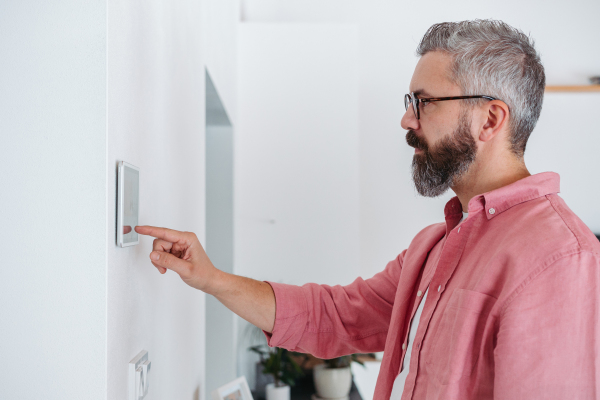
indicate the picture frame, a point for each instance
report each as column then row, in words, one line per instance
column 237, row 389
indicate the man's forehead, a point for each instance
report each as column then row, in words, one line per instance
column 431, row 76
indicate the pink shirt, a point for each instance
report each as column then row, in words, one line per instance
column 512, row 312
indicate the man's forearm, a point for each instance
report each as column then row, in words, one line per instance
column 182, row 252
column 252, row 300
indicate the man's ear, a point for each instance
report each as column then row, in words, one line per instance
column 496, row 122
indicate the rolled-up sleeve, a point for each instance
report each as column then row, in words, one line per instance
column 330, row 321
column 548, row 342
column 291, row 316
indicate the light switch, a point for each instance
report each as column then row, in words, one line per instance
column 145, row 370
column 139, row 384
column 139, row 369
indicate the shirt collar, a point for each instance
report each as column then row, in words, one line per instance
column 499, row 200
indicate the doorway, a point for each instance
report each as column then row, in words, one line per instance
column 220, row 322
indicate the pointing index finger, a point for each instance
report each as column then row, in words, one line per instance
column 169, row 235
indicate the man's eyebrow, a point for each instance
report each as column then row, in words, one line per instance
column 422, row 92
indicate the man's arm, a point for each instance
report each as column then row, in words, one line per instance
column 549, row 336
column 331, row 321
column 182, row 253
column 326, row 321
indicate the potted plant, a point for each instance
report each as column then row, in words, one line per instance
column 278, row 363
column 333, row 378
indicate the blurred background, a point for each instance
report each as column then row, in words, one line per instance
column 269, row 128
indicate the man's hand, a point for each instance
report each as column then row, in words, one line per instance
column 182, row 253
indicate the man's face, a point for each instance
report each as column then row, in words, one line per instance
column 442, row 138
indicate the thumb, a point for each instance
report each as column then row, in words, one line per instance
column 169, row 261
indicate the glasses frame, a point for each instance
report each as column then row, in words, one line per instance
column 411, row 98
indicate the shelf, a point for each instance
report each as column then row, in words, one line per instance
column 573, row 88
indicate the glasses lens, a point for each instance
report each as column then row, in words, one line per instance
column 415, row 105
column 413, row 101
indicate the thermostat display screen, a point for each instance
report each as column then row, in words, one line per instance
column 128, row 204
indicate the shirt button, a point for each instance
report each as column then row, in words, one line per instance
column 492, row 211
column 418, row 345
column 419, row 293
column 439, row 288
column 403, row 346
column 459, row 228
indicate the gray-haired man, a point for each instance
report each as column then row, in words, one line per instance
column 501, row 301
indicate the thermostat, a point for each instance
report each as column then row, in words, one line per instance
column 128, row 201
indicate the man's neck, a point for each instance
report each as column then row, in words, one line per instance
column 485, row 178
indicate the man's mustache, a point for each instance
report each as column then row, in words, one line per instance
column 414, row 141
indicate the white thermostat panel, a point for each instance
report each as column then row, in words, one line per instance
column 128, row 204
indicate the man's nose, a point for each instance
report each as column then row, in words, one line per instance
column 409, row 120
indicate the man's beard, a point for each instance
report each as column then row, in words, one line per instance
column 437, row 169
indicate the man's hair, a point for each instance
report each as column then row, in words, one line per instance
column 492, row 58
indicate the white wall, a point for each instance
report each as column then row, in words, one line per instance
column 326, row 11
column 297, row 153
column 391, row 212
column 297, row 183
column 567, row 141
column 53, row 200
column 156, row 122
column 83, row 86
column 157, row 54
column 220, row 19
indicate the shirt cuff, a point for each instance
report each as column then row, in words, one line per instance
column 291, row 316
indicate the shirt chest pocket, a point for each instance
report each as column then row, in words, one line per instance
column 457, row 341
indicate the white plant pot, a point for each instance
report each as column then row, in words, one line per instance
column 278, row 393
column 332, row 383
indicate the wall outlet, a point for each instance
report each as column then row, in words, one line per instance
column 139, row 370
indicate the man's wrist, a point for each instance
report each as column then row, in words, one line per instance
column 215, row 282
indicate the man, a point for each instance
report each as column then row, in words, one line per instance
column 507, row 289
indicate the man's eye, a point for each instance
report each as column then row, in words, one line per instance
column 423, row 103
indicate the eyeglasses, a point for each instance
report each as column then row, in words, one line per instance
column 414, row 100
